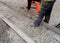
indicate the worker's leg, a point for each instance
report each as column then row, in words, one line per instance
column 37, row 7
column 38, row 4
column 39, row 18
column 47, row 18
column 48, row 11
column 44, row 10
column 29, row 4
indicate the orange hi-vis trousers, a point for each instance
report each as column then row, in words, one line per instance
column 37, row 6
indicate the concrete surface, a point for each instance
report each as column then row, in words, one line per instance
column 7, row 35
column 13, row 13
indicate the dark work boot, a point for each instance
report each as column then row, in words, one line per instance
column 34, row 25
column 38, row 21
column 46, row 21
column 47, row 18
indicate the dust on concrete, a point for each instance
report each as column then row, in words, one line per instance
column 3, row 32
column 12, row 35
column 7, row 35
